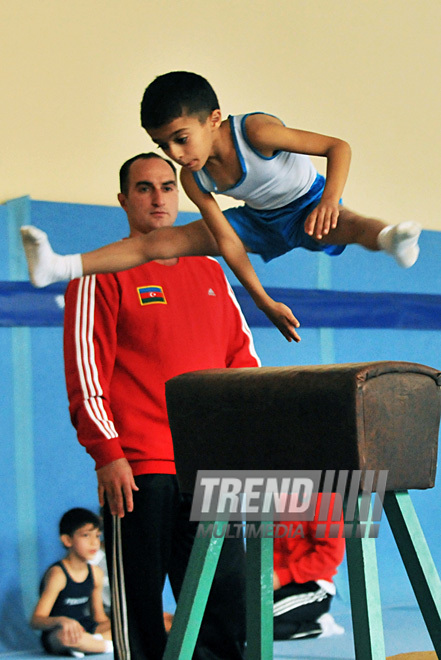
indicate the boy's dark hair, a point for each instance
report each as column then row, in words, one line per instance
column 76, row 518
column 176, row 94
column 125, row 169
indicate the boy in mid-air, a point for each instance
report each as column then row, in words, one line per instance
column 70, row 610
column 253, row 158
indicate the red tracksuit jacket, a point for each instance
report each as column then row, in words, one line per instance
column 126, row 334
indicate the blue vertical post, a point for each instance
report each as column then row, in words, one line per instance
column 18, row 213
column 324, row 281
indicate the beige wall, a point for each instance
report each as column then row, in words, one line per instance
column 73, row 73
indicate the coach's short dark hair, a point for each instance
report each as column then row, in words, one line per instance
column 124, row 172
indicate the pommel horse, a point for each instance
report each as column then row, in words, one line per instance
column 345, row 418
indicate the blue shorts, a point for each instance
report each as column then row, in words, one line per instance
column 272, row 232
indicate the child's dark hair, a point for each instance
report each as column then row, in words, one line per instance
column 125, row 169
column 76, row 518
column 175, row 94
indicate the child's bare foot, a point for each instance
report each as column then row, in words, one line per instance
column 44, row 265
column 401, row 242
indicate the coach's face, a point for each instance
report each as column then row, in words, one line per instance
column 152, row 198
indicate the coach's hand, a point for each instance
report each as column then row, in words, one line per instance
column 116, row 485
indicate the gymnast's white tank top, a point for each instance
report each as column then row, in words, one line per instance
column 266, row 182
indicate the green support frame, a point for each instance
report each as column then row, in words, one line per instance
column 260, row 597
column 367, row 620
column 194, row 593
column 196, row 588
column 417, row 560
column 363, row 576
column 363, row 584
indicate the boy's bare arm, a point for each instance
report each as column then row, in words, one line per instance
column 268, row 135
column 234, row 253
column 54, row 583
column 96, row 599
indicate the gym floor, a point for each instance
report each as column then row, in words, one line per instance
column 404, row 631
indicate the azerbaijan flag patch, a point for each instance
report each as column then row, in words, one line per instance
column 151, row 294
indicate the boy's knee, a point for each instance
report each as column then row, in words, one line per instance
column 65, row 639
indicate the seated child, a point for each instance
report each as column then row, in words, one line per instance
column 70, row 609
column 253, row 158
column 304, row 565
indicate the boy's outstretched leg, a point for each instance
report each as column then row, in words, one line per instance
column 46, row 267
column 400, row 241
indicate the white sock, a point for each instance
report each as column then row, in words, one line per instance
column 44, row 265
column 401, row 241
column 108, row 644
column 77, row 654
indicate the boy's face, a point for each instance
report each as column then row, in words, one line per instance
column 84, row 542
column 187, row 140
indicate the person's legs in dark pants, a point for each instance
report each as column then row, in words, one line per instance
column 297, row 608
column 138, row 548
column 223, row 629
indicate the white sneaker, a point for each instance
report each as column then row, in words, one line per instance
column 329, row 626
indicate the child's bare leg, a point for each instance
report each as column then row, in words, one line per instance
column 400, row 241
column 45, row 267
column 104, row 629
column 355, row 228
column 194, row 239
column 86, row 644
